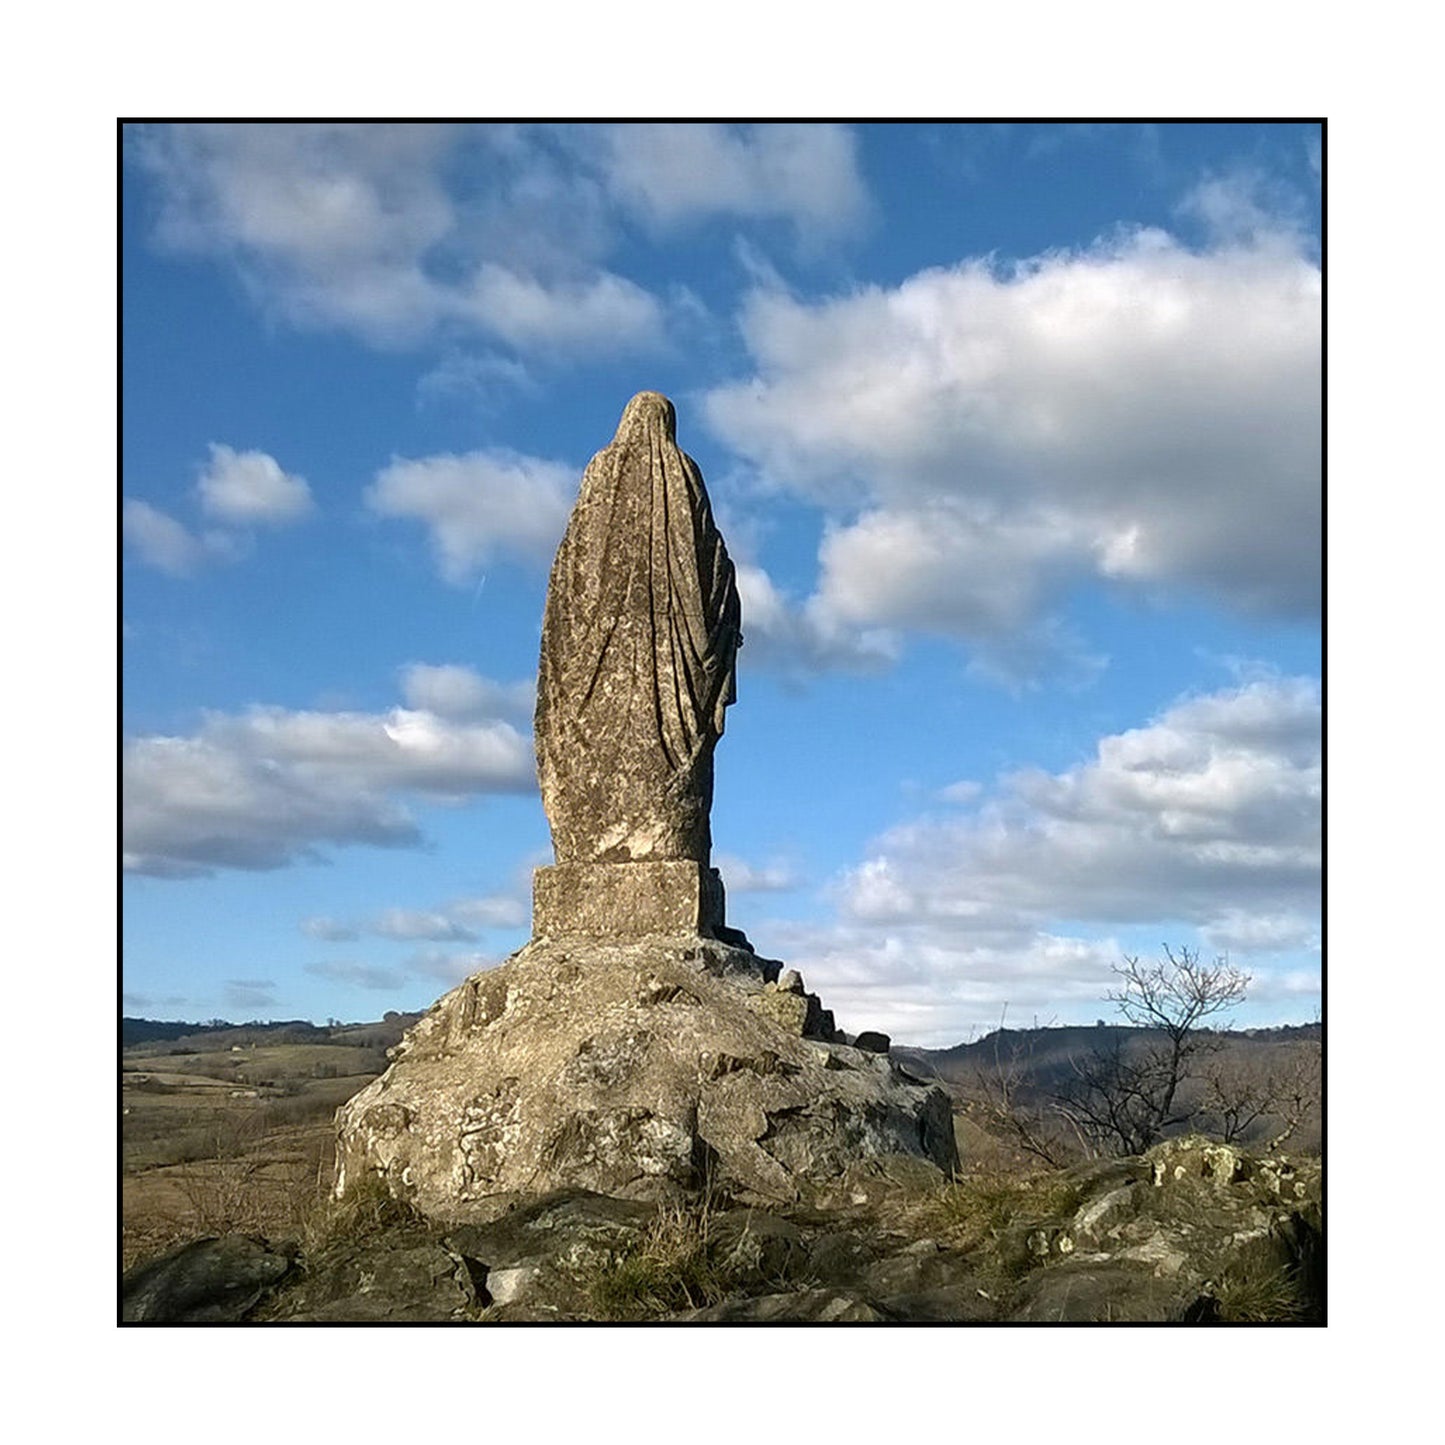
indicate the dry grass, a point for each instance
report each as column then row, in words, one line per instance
column 977, row 1207
column 1263, row 1296
column 368, row 1211
column 273, row 1188
column 216, row 1139
column 247, row 1170
column 991, row 1212
column 675, row 1266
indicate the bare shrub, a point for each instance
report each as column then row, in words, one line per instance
column 1125, row 1098
column 220, row 1188
column 998, row 1098
column 1274, row 1097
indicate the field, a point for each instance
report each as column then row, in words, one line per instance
column 218, row 1134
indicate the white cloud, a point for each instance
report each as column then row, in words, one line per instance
column 1244, row 207
column 673, row 173
column 478, row 504
column 588, row 313
column 1137, row 411
column 250, row 487
column 193, row 805
column 449, row 968
column 454, row 922
column 461, row 694
column 739, row 876
column 141, row 1000
column 486, row 379
column 1207, row 819
column 405, row 233
column 1236, row 931
column 929, row 987
column 494, row 911
column 266, row 787
column 799, row 640
column 250, row 993
column 160, row 540
column 360, row 975
column 326, row 223
column 364, row 227
column 328, row 930
column 964, row 791
column 954, row 568
column 1212, row 808
column 168, row 545
column 238, row 488
column 411, row 923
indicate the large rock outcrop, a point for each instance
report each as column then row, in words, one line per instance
column 641, row 1070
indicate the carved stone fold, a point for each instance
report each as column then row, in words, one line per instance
column 639, row 641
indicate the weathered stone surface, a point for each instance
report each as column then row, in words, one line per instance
column 639, row 1070
column 401, row 1274
column 541, row 1255
column 788, row 1010
column 626, row 900
column 639, row 641
column 208, row 1281
column 967, row 1302
column 813, row 1306
column 1184, row 1232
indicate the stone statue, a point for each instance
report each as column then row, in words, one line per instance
column 637, row 1046
column 639, row 644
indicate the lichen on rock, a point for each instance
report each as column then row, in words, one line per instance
column 644, row 1073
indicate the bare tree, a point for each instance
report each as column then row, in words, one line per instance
column 1242, row 1093
column 998, row 1100
column 1124, row 1099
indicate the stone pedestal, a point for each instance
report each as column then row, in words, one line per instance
column 626, row 900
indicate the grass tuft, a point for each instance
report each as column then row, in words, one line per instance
column 1263, row 1296
column 367, row 1210
column 674, row 1266
column 991, row 1214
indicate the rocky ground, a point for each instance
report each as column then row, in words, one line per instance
column 1193, row 1231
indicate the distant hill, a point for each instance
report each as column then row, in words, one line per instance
column 1046, row 1055
column 221, row 1034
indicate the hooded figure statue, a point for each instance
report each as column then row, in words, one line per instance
column 639, row 648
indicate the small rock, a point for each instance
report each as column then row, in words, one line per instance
column 962, row 1303
column 873, row 1043
column 791, row 982
column 505, row 1286
column 788, row 1010
column 1089, row 1219
column 211, row 1281
column 816, row 1306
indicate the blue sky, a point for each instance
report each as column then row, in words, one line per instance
column 1014, row 435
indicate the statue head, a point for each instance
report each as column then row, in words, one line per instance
column 646, row 410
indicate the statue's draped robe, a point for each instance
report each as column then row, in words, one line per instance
column 639, row 643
